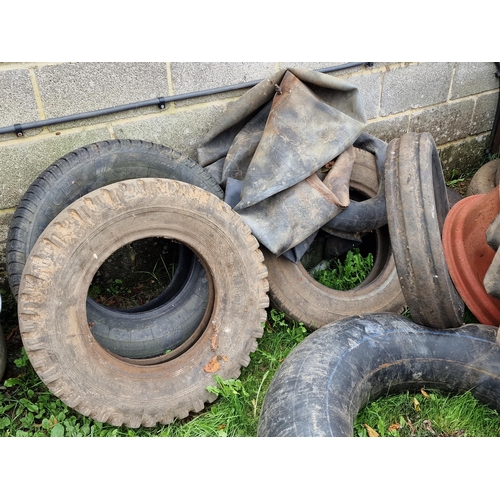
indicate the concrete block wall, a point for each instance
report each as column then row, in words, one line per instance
column 455, row 102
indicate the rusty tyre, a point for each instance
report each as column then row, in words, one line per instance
column 301, row 298
column 331, row 375
column 417, row 206
column 181, row 304
column 60, row 268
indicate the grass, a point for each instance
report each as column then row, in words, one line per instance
column 427, row 414
column 27, row 408
column 347, row 274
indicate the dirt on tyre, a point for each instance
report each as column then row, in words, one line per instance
column 295, row 292
column 331, row 375
column 59, row 270
column 417, row 206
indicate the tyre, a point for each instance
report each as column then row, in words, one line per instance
column 485, row 179
column 293, row 290
column 59, row 270
column 453, row 196
column 3, row 353
column 417, row 205
column 3, row 349
column 83, row 171
column 332, row 374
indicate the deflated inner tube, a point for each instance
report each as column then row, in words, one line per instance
column 79, row 173
column 331, row 375
column 371, row 213
column 417, row 206
column 295, row 292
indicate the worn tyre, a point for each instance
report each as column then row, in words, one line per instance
column 3, row 349
column 417, row 205
column 331, row 375
column 83, row 171
column 3, row 353
column 59, row 270
column 485, row 179
column 453, row 196
column 293, row 290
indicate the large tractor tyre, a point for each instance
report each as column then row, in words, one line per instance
column 295, row 292
column 182, row 303
column 417, row 205
column 60, row 268
column 330, row 376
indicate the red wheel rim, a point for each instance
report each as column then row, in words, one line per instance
column 468, row 255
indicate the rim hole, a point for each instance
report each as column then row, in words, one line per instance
column 136, row 274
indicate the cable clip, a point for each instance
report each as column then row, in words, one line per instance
column 162, row 102
column 18, row 128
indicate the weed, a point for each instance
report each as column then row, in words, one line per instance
column 161, row 275
column 348, row 274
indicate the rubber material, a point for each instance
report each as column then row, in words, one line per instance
column 79, row 173
column 150, row 333
column 417, row 205
column 453, row 196
column 60, row 267
column 485, row 179
column 82, row 171
column 301, row 298
column 3, row 349
column 3, row 353
column 369, row 214
column 330, row 376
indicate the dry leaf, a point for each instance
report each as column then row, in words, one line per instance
column 394, row 427
column 212, row 366
column 371, row 432
column 416, row 404
column 428, row 426
column 424, row 394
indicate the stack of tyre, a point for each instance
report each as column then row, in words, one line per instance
column 152, row 363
